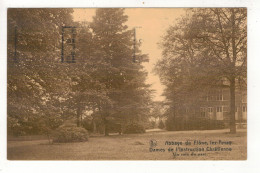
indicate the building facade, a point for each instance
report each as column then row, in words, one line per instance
column 214, row 104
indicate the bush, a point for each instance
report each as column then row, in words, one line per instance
column 153, row 124
column 70, row 134
column 14, row 127
column 161, row 125
column 149, row 125
column 195, row 124
column 134, row 128
column 114, row 127
column 170, row 123
column 88, row 125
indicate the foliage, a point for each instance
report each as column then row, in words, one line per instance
column 158, row 109
column 114, row 127
column 124, row 80
column 35, row 78
column 14, row 127
column 134, row 128
column 43, row 92
column 161, row 124
column 88, row 125
column 70, row 133
column 177, row 124
column 152, row 124
column 205, row 47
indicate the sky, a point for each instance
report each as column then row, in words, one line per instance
column 152, row 24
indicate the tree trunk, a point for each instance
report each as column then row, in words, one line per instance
column 232, row 106
column 105, row 127
column 233, row 79
column 78, row 116
column 94, row 126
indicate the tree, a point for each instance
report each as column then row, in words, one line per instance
column 206, row 46
column 43, row 92
column 35, row 77
column 87, row 87
column 123, row 78
column 157, row 112
column 161, row 125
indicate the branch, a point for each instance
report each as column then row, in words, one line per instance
column 241, row 39
column 222, row 33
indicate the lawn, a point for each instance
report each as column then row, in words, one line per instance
column 204, row 145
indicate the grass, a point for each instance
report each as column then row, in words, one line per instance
column 131, row 147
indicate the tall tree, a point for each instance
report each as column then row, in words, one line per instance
column 35, row 77
column 42, row 91
column 206, row 46
column 123, row 78
column 87, row 87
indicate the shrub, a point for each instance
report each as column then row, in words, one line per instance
column 134, row 128
column 70, row 134
column 170, row 123
column 153, row 124
column 193, row 124
column 114, row 127
column 14, row 127
column 149, row 124
column 161, row 125
column 88, row 125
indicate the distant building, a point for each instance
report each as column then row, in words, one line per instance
column 214, row 104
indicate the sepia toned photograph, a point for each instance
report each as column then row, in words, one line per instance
column 127, row 84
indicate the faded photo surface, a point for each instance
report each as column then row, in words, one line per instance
column 127, row 84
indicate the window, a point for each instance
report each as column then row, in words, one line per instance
column 219, row 109
column 211, row 95
column 244, row 109
column 204, row 98
column 210, row 109
column 225, row 109
column 219, row 95
column 203, row 112
column 225, row 93
column 244, row 98
column 219, row 114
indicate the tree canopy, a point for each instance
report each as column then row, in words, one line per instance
column 43, row 92
column 207, row 45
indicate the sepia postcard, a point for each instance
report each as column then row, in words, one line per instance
column 127, row 84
